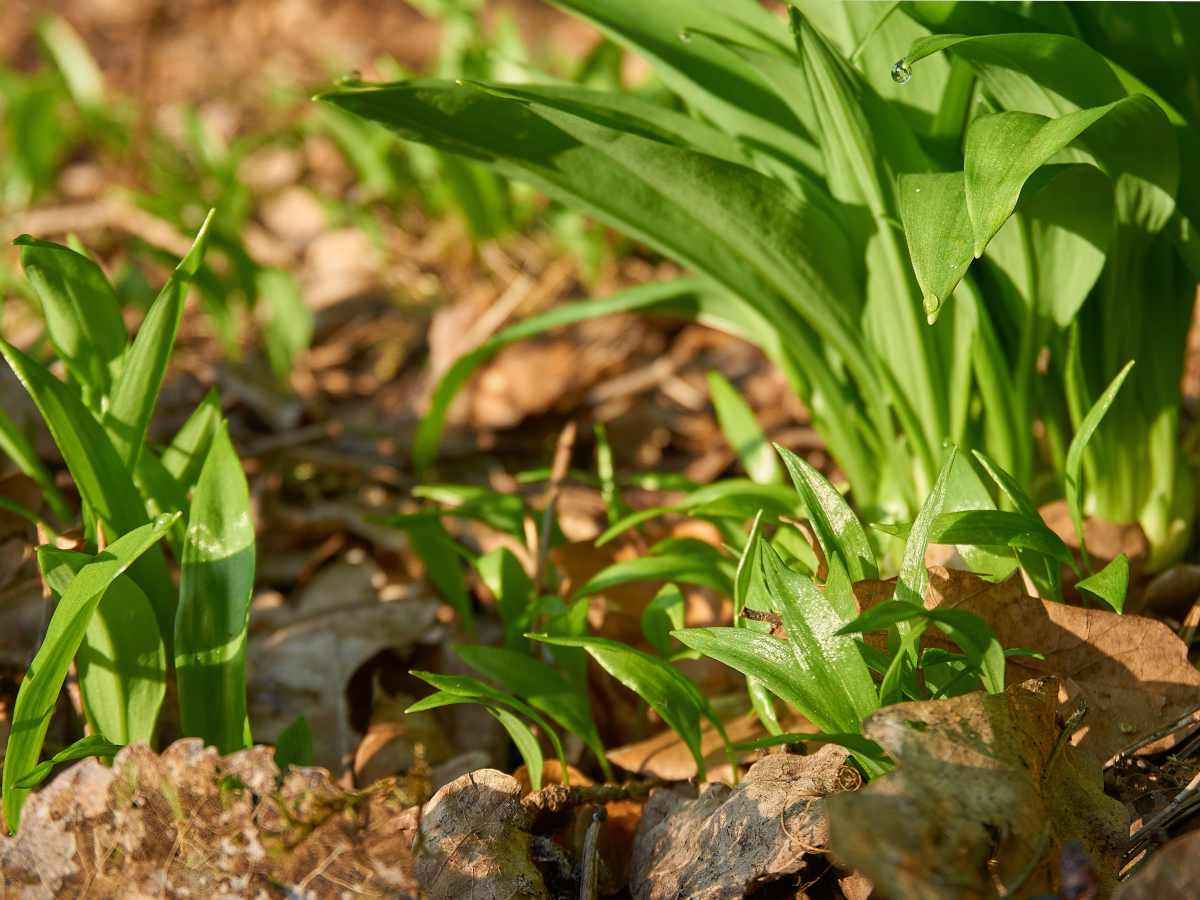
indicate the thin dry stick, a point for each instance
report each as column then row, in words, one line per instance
column 591, row 856
column 1164, row 817
column 1190, row 717
column 558, row 474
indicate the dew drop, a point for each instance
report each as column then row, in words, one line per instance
column 901, row 72
column 685, row 35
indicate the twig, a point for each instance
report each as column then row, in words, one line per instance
column 1163, row 818
column 759, row 615
column 1188, row 718
column 591, row 855
column 554, row 800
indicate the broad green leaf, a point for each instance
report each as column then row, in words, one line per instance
column 661, row 616
column 39, row 689
column 748, row 566
column 294, row 746
column 443, row 566
column 161, row 493
column 17, row 447
column 98, row 473
column 527, row 744
column 993, row 527
column 541, row 687
column 1110, row 585
column 974, row 637
column 215, row 585
column 184, row 457
column 512, row 589
column 135, row 391
column 83, row 315
column 504, row 512
column 668, row 692
column 1004, row 149
column 122, row 662
column 742, row 431
column 827, row 664
column 837, row 527
column 933, row 210
column 1074, row 467
column 92, row 745
column 914, row 577
column 883, row 616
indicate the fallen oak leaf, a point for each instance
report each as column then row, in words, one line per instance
column 1132, row 672
column 985, row 795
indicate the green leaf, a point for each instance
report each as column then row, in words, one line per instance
column 742, row 431
column 289, row 327
column 135, row 391
column 527, row 744
column 98, row 473
column 185, row 456
column 92, row 745
column 662, row 615
column 295, row 745
column 541, row 687
column 668, row 692
column 1073, row 472
column 829, row 664
column 79, row 70
column 914, row 577
column 122, row 662
column 974, row 637
column 443, row 566
column 838, row 529
column 465, row 689
column 994, row 527
column 883, row 616
column 1110, row 584
column 513, row 590
column 504, row 512
column 735, row 498
column 706, row 568
column 39, row 690
column 938, row 229
column 83, row 316
column 216, row 582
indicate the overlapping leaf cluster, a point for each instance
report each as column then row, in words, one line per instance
column 828, row 210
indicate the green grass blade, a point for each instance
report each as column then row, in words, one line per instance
column 39, row 690
column 742, row 431
column 99, row 475
column 216, row 581
column 914, row 577
column 1083, row 435
column 443, row 567
column 527, row 745
column 135, row 391
column 83, row 315
column 541, row 687
column 122, row 661
column 185, row 456
column 92, row 745
column 707, row 569
column 837, row 528
column 668, row 692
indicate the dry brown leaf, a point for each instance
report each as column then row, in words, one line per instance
column 729, row 841
column 302, row 654
column 1172, row 873
column 1132, row 672
column 475, row 841
column 190, row 823
column 396, row 741
column 984, row 794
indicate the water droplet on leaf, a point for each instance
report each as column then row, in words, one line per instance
column 685, row 35
column 901, row 72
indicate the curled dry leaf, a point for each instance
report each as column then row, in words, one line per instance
column 985, row 794
column 1132, row 672
column 190, row 823
column 727, row 842
column 475, row 841
column 302, row 654
column 1172, row 873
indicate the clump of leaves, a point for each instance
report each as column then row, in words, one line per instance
column 118, row 615
column 830, row 200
